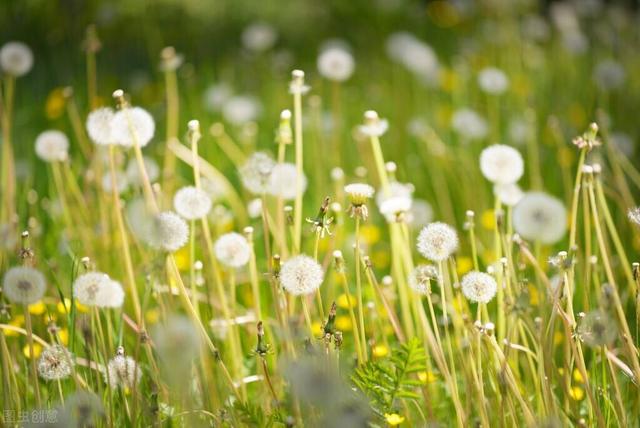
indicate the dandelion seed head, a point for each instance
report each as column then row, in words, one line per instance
column 232, row 250
column 16, row 58
column 167, row 231
column 241, row 109
column 52, row 146
column 259, row 36
column 215, row 96
column 437, row 241
column 597, row 329
column 192, row 203
column 469, row 124
column 97, row 289
column 421, row 277
column 256, row 171
column 420, row 214
column 509, row 194
column 177, row 340
column 23, row 285
column 373, row 125
column 479, row 287
column 122, row 371
column 55, row 363
column 609, row 74
column 634, row 215
column 415, row 55
column 336, row 63
column 133, row 171
column 131, row 125
column 501, row 164
column 393, row 208
column 539, row 216
column 122, row 182
column 493, row 80
column 99, row 126
column 359, row 193
column 301, row 275
column 283, row 181
column 254, row 208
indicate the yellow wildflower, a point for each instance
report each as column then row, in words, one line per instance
column 393, row 419
column 380, row 351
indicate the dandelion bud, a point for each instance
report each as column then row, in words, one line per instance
column 297, row 85
column 194, row 125
column 339, row 260
column 118, row 94
column 248, row 233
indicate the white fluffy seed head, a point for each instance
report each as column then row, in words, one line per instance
column 421, row 277
column 256, row 171
column 501, row 164
column 493, row 80
column 336, row 63
column 509, row 194
column 97, row 289
column 99, row 126
column 359, row 193
column 540, row 217
column 240, row 109
column 283, row 181
column 259, row 36
column 191, row 203
column 132, row 125
column 52, row 146
column 232, row 250
column 55, row 363
column 437, row 241
column 167, row 232
column 479, row 287
column 123, row 372
column 133, row 170
column 301, row 275
column 23, row 285
column 469, row 124
column 121, row 184
column 16, row 58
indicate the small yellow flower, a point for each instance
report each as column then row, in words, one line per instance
column 534, row 295
column 577, row 376
column 316, row 327
column 576, row 393
column 37, row 350
column 65, row 307
column 558, row 337
column 343, row 323
column 152, row 316
column 37, row 308
column 488, row 220
column 448, row 80
column 55, row 104
column 380, row 351
column 16, row 321
column 393, row 419
column 182, row 258
column 344, row 301
column 561, row 371
column 380, row 259
column 463, row 264
column 370, row 234
column 426, row 377
column 63, row 335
